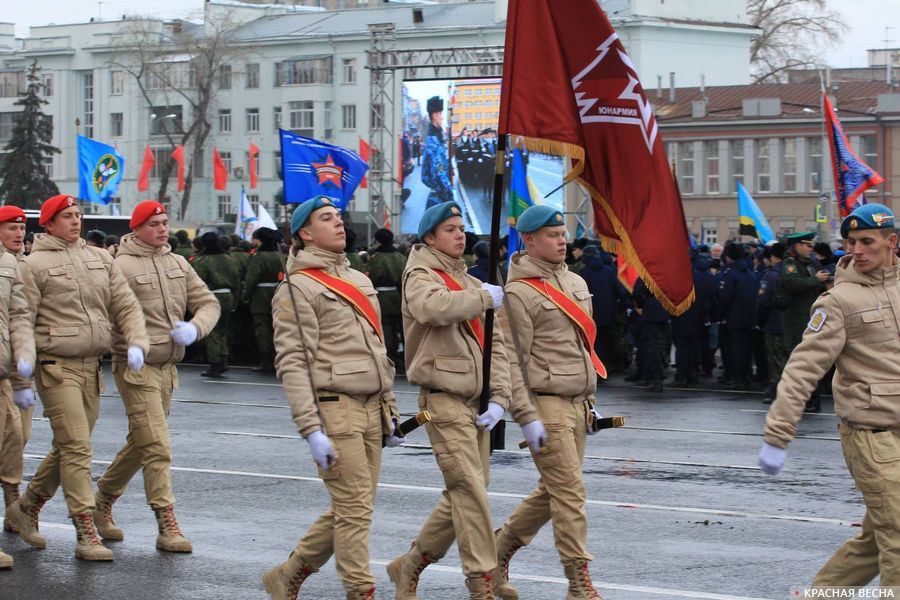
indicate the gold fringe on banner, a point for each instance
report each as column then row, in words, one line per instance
column 621, row 246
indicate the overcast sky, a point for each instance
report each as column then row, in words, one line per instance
column 866, row 19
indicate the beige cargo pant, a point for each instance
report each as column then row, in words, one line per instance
column 15, row 429
column 355, row 429
column 70, row 392
column 462, row 452
column 147, row 396
column 874, row 463
column 560, row 492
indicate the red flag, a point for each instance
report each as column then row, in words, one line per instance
column 178, row 156
column 570, row 89
column 627, row 274
column 364, row 154
column 220, row 173
column 146, row 167
column 254, row 160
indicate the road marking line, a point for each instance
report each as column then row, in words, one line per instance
column 755, row 434
column 230, row 403
column 806, row 414
column 241, row 383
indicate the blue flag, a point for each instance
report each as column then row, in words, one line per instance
column 752, row 220
column 519, row 200
column 100, row 170
column 312, row 168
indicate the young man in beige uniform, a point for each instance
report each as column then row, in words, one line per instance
column 16, row 325
column 854, row 326
column 331, row 359
column 166, row 286
column 442, row 312
column 559, row 369
column 16, row 392
column 77, row 295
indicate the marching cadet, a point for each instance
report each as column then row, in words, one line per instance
column 331, row 359
column 263, row 274
column 436, row 165
column 550, row 315
column 16, row 391
column 220, row 273
column 442, row 311
column 853, row 326
column 385, row 269
column 166, row 286
column 16, row 324
column 77, row 294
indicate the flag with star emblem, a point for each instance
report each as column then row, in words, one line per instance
column 312, row 168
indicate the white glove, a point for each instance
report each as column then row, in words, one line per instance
column 392, row 441
column 23, row 398
column 25, row 368
column 184, row 333
column 535, row 434
column 597, row 415
column 322, row 451
column 491, row 416
column 135, row 358
column 771, row 459
column 496, row 293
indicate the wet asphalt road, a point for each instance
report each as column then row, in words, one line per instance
column 677, row 508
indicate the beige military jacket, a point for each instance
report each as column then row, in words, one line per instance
column 854, row 326
column 16, row 321
column 347, row 355
column 556, row 359
column 78, row 293
column 440, row 352
column 166, row 285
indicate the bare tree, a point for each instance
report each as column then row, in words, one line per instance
column 792, row 33
column 176, row 64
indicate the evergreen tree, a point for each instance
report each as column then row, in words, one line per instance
column 25, row 182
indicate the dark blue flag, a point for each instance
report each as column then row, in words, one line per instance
column 312, row 168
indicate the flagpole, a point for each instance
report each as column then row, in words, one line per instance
column 497, row 434
column 829, row 213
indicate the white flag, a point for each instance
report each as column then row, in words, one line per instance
column 264, row 218
column 246, row 220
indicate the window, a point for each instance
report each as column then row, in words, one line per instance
column 276, row 117
column 348, row 116
column 162, row 157
column 224, row 203
column 226, row 160
column 12, row 84
column 868, row 152
column 711, row 149
column 224, row 79
column 225, row 120
column 789, row 165
column 737, row 163
column 252, row 75
column 115, row 206
column 304, row 71
column 277, row 164
column 7, row 123
column 814, row 163
column 709, row 234
column 348, row 69
column 165, row 119
column 252, row 120
column 686, row 167
column 302, row 117
column 47, row 83
column 254, row 201
column 763, row 167
column 117, row 83
column 174, row 75
column 47, row 164
column 88, row 96
column 329, row 128
column 116, row 124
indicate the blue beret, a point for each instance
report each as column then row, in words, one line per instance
column 867, row 216
column 302, row 212
column 539, row 216
column 436, row 215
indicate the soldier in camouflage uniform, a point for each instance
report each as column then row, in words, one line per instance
column 385, row 269
column 184, row 247
column 220, row 274
column 264, row 271
column 436, row 166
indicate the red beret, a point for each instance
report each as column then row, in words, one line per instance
column 12, row 214
column 53, row 205
column 144, row 211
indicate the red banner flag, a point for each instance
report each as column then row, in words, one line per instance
column 220, row 173
column 254, row 164
column 627, row 274
column 570, row 89
column 146, row 167
column 178, row 156
column 364, row 154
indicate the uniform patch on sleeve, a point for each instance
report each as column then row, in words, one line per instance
column 817, row 320
column 791, row 269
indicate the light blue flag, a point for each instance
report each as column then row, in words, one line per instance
column 752, row 220
column 519, row 201
column 100, row 170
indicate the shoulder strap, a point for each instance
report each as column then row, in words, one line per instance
column 349, row 292
column 473, row 325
